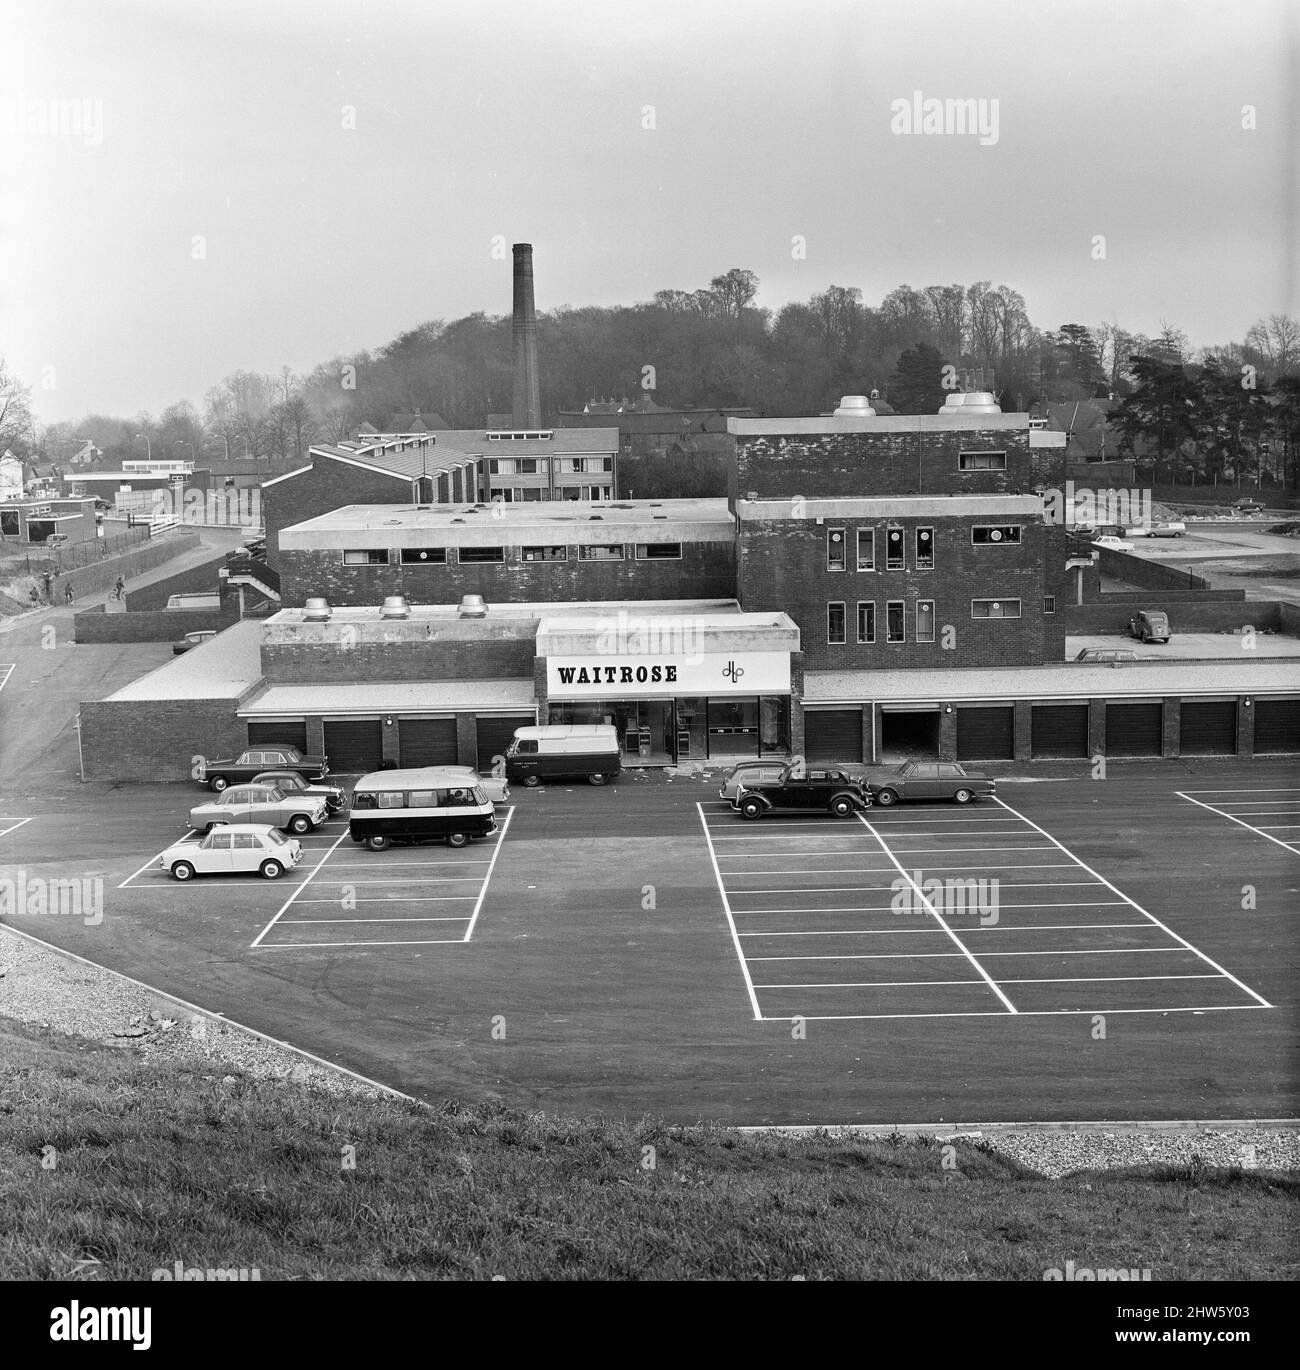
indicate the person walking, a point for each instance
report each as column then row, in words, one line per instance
column 119, row 588
column 48, row 578
column 67, row 593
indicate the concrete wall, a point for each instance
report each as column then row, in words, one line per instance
column 159, row 625
column 1154, row 575
column 101, row 575
column 200, row 579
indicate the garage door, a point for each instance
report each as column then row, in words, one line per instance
column 1060, row 730
column 832, row 734
column 354, row 745
column 986, row 734
column 1133, row 729
column 1208, row 727
column 427, row 741
column 1277, row 725
column 495, row 732
column 287, row 734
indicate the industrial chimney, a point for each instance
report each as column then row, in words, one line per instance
column 527, row 397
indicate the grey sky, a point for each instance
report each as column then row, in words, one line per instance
column 225, row 121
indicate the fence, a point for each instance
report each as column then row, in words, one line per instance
column 74, row 555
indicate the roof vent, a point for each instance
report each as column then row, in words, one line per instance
column 855, row 407
column 395, row 606
column 473, row 606
column 316, row 609
column 458, row 520
column 972, row 402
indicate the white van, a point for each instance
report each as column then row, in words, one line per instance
column 564, row 750
column 194, row 602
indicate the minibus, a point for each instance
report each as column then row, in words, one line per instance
column 564, row 751
column 419, row 806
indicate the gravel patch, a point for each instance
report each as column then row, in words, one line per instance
column 1054, row 1153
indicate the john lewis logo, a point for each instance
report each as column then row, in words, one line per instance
column 733, row 672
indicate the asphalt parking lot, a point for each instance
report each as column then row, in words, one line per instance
column 642, row 949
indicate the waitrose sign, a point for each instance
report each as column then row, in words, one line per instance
column 701, row 673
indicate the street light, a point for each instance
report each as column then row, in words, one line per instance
column 183, row 442
column 148, row 447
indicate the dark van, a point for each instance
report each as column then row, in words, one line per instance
column 588, row 751
column 419, row 805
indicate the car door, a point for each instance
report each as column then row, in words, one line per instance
column 923, row 782
column 246, row 851
column 951, row 779
column 231, row 805
column 214, row 854
column 261, row 806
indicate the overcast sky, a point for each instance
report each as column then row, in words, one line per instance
column 226, row 123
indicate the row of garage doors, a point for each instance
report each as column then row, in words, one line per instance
column 987, row 733
column 355, row 745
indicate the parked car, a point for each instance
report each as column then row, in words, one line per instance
column 57, row 540
column 800, row 788
column 290, row 782
column 269, row 756
column 238, row 847
column 497, row 788
column 195, row 639
column 1168, row 530
column 1111, row 541
column 1112, row 654
column 295, row 812
column 931, row 780
column 1248, row 507
column 749, row 773
column 1150, row 625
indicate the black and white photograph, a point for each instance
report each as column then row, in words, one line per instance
column 649, row 643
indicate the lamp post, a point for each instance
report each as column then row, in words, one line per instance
column 148, row 445
column 183, row 442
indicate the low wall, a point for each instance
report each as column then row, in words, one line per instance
column 103, row 574
column 1149, row 574
column 115, row 745
column 200, row 579
column 158, row 625
column 1197, row 616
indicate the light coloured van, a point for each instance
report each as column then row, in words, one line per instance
column 419, row 805
column 194, row 601
column 564, row 751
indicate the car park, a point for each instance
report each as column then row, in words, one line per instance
column 749, row 773
column 421, row 804
column 253, row 760
column 290, row 782
column 235, row 848
column 1113, row 655
column 931, row 780
column 798, row 787
column 191, row 640
column 1150, row 625
column 295, row 812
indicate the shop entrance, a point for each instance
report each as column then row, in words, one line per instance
column 664, row 732
column 909, row 733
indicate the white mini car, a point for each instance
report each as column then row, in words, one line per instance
column 230, row 849
column 1117, row 544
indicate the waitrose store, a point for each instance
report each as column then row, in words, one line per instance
column 679, row 688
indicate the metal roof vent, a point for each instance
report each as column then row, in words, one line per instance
column 316, row 609
column 855, row 407
column 473, row 606
column 971, row 402
column 395, row 606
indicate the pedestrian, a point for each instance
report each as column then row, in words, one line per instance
column 119, row 588
column 48, row 578
column 67, row 593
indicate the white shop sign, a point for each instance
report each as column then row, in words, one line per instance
column 704, row 673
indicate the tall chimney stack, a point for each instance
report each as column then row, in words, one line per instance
column 527, row 397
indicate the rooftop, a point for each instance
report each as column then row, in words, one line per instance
column 583, row 610
column 880, row 423
column 893, row 506
column 225, row 667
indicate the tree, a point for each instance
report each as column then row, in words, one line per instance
column 916, row 386
column 1168, row 409
column 1276, row 340
column 16, row 428
column 734, row 291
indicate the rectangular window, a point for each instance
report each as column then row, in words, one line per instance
column 423, row 556
column 995, row 608
column 835, row 623
column 893, row 549
column 545, row 553
column 371, row 556
column 391, row 799
column 866, row 549
column 989, row 534
column 866, row 621
column 895, row 622
column 476, row 556
column 1049, row 604
column 835, row 549
column 658, row 551
column 925, row 549
column 424, row 799
column 503, row 466
column 528, row 466
column 981, row 461
column 601, row 551
column 925, row 620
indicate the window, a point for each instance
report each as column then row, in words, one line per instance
column 246, row 841
column 9, row 522
column 504, row 466
column 983, row 535
column 835, row 549
column 423, row 556
column 893, row 549
column 1049, row 604
column 659, row 551
column 526, row 746
column 866, row 549
column 995, row 608
column 424, row 799
column 372, row 556
column 925, row 549
column 472, row 556
column 925, row 620
column 218, row 841
column 981, row 461
column 895, row 623
column 528, row 466
column 866, row 621
column 601, row 551
column 545, row 553
column 391, row 799
column 835, row 623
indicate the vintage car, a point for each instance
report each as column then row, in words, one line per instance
column 192, row 640
column 294, row 812
column 930, row 780
column 231, row 849
column 265, row 757
column 809, row 789
column 1150, row 625
column 290, row 782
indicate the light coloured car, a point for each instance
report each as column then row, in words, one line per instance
column 230, row 849
column 495, row 787
column 1168, row 530
column 749, row 773
column 1116, row 544
column 295, row 812
column 1113, row 655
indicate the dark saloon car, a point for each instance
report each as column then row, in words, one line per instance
column 269, row 756
column 930, row 780
column 822, row 791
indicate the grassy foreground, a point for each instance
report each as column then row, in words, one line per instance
column 156, row 1165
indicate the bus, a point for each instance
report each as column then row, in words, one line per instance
column 564, row 750
column 419, row 805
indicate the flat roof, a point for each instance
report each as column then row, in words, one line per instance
column 399, row 696
column 894, row 506
column 880, row 423
column 583, row 610
column 224, row 667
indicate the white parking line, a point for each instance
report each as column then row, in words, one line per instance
column 1232, row 818
column 14, row 823
column 257, row 940
column 487, row 879
column 8, row 671
column 731, row 922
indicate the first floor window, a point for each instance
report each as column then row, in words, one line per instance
column 658, row 551
column 925, row 549
column 986, row 534
column 476, row 556
column 366, row 556
column 835, row 549
column 601, row 551
column 866, row 621
column 866, row 549
column 895, row 623
column 995, row 608
column 421, row 556
column 925, row 620
column 835, row 623
column 981, row 461
column 1049, row 604
column 893, row 549
column 545, row 554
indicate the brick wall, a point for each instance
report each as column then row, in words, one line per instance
column 200, row 579
column 1196, row 616
column 485, row 658
column 101, row 575
column 1135, row 570
column 156, row 740
column 159, row 625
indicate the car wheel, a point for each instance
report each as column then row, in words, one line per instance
column 377, row 841
column 270, row 870
column 457, row 839
column 218, row 783
column 596, row 779
column 182, row 870
column 842, row 806
column 752, row 808
column 887, row 797
column 962, row 797
column 532, row 780
column 300, row 824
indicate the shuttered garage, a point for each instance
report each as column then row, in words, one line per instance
column 286, row 734
column 986, row 734
column 1277, row 725
column 427, row 741
column 354, row 744
column 1133, row 729
column 1208, row 727
column 1060, row 730
column 832, row 734
column 495, row 732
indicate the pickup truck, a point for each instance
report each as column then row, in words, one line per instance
column 930, row 780
column 254, row 760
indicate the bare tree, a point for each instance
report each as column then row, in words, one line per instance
column 16, row 429
column 1277, row 341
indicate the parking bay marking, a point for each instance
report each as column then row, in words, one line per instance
column 1223, row 813
column 302, row 886
column 14, row 823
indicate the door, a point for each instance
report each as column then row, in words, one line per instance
column 495, row 733
column 214, row 857
column 1277, row 725
column 923, row 783
column 286, row 734
column 986, row 734
column 832, row 734
column 1208, row 727
column 1060, row 730
column 262, row 808
column 426, row 742
column 1133, row 729
column 354, row 745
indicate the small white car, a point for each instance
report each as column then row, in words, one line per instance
column 298, row 812
column 1117, row 544
column 230, row 849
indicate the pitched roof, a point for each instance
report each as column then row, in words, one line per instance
column 401, row 460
